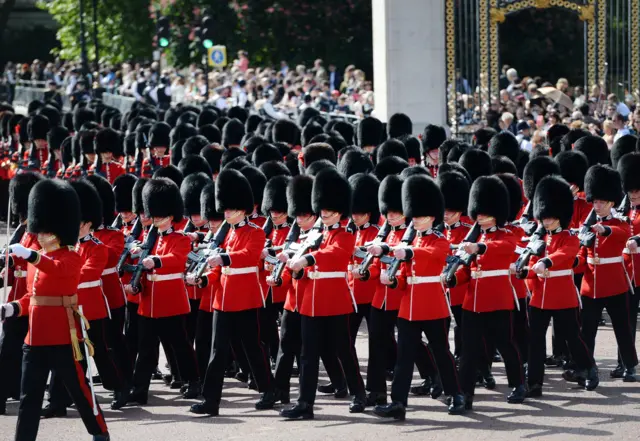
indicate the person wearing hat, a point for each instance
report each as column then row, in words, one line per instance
column 106, row 145
column 425, row 308
column 14, row 331
column 84, row 152
column 37, row 129
column 53, row 164
column 487, row 309
column 573, row 168
column 327, row 301
column 159, row 145
column 237, row 303
column 53, row 342
column 554, row 294
column 432, row 137
column 163, row 304
column 524, row 136
column 369, row 133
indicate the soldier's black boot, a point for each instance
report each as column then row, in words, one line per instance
column 120, row 398
column 139, row 396
column 102, row 437
column 205, row 408
column 618, row 372
column 376, row 399
column 358, row 404
column 436, row 387
column 194, row 388
column 629, row 375
column 268, row 400
column 423, row 388
column 517, row 395
column 53, row 412
column 301, row 411
column 535, row 391
column 457, row 406
column 592, row 380
column 395, row 410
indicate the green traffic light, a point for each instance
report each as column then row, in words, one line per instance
column 163, row 42
column 208, row 44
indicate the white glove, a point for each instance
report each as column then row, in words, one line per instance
column 7, row 310
column 20, row 251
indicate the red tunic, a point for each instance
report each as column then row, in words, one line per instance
column 111, row 284
column 17, row 277
column 518, row 284
column 158, row 162
column 295, row 287
column 110, row 171
column 581, row 209
column 633, row 260
column 278, row 293
column 126, row 277
column 363, row 291
column 455, row 234
column 385, row 297
column 193, row 291
column 94, row 256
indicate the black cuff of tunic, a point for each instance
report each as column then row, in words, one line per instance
column 385, row 249
column 409, row 254
column 606, row 232
column 226, row 260
column 482, row 248
column 157, row 263
column 547, row 262
column 311, row 261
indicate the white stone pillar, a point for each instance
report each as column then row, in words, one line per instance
column 409, row 66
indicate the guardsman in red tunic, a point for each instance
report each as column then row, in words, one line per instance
column 172, row 172
column 53, row 164
column 328, row 302
column 196, row 230
column 605, row 283
column 14, row 331
column 164, row 305
column 258, row 181
column 53, row 342
column 431, row 140
column 39, row 153
column 236, row 305
column 487, row 310
column 629, row 168
column 424, row 307
column 106, row 144
column 159, row 145
column 85, row 154
column 386, row 300
column 554, row 295
column 274, row 205
column 573, row 167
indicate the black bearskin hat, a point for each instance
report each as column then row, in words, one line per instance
column 239, row 113
column 136, row 195
column 159, row 135
column 369, row 132
column 229, row 155
column 106, row 195
column 346, row 131
column 38, row 127
column 233, row 192
column 309, row 132
column 316, row 151
column 190, row 192
column 306, row 115
column 251, row 124
column 172, row 172
column 391, row 147
column 274, row 168
column 490, row 197
column 265, row 153
column 232, row 133
column 454, row 166
column 82, row 116
column 391, row 165
column 504, row 144
column 207, row 116
column 399, row 125
column 123, row 192
column 413, row 147
column 422, row 197
column 19, row 188
column 90, row 203
column 572, row 136
column 455, row 189
column 55, row 137
column 623, row 145
column 180, row 131
column 432, row 138
column 331, row 191
column 412, row 171
column 318, row 166
column 502, row 164
column 553, row 199
column 477, row 163
column 161, row 198
column 365, row 195
column 603, row 183
column 629, row 168
column 106, row 140
column 595, row 148
column 535, row 170
column 515, row 195
column 257, row 180
column 212, row 155
column 49, row 198
column 87, row 144
column 275, row 195
column 52, row 114
column 188, row 117
column 353, row 162
column 390, row 194
column 208, row 209
column 299, row 192
column 211, row 132
column 193, row 145
column 482, row 137
column 194, row 164
column 286, row 131
column 573, row 167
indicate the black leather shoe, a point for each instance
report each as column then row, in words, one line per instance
column 457, row 406
column 242, row 377
column 139, row 397
column 157, row 375
column 120, row 399
column 436, row 388
column 488, row 381
column 468, row 402
column 194, row 388
column 553, row 361
column 497, row 358
column 358, row 404
column 326, row 388
column 343, row 392
column 301, row 411
column 535, row 391
column 423, row 388
column 572, row 376
column 592, row 381
column 268, row 400
column 252, row 384
column 618, row 372
column 517, row 395
column 53, row 412
column 204, row 408
column 629, row 375
column 102, row 437
column 393, row 410
column 376, row 399
column 176, row 384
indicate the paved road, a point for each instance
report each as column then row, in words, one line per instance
column 564, row 413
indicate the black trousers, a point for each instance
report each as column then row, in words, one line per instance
column 131, row 332
column 192, row 319
column 364, row 311
column 409, row 338
column 495, row 326
column 424, row 358
column 618, row 307
column 633, row 316
column 13, row 333
column 568, row 321
column 381, row 342
column 204, row 334
column 118, row 319
column 246, row 326
column 457, row 330
column 290, row 344
column 269, row 326
column 36, row 363
column 559, row 347
column 172, row 331
column 521, row 329
column 316, row 332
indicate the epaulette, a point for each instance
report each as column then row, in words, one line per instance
column 464, row 224
column 622, row 218
column 376, row 226
column 110, row 228
column 439, row 234
column 96, row 240
column 251, row 224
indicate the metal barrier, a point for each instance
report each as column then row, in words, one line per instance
column 120, row 102
column 24, row 95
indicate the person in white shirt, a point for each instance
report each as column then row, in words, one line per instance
column 619, row 124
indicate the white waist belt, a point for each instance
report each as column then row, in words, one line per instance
column 92, row 284
column 558, row 273
column 19, row 274
column 492, row 273
column 314, row 275
column 236, row 271
column 109, row 271
column 604, row 260
column 164, row 277
column 417, row 280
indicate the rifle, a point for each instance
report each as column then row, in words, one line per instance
column 535, row 247
column 312, row 242
column 137, row 270
column 624, row 206
column 117, row 222
column 461, row 257
column 367, row 258
column 268, row 229
column 529, row 226
column 213, row 247
column 393, row 263
column 586, row 236
column 15, row 238
column 292, row 238
column 193, row 258
column 129, row 243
